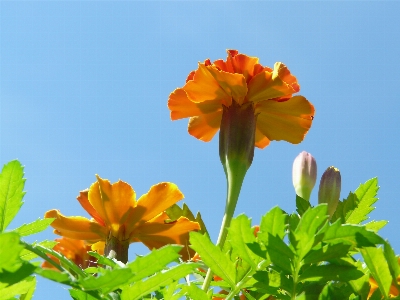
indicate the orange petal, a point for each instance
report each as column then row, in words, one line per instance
column 158, row 234
column 288, row 120
column 181, row 107
column 84, row 201
column 204, row 87
column 155, row 201
column 78, row 228
column 242, row 63
column 234, row 85
column 99, row 247
column 268, row 85
column 261, row 141
column 113, row 202
column 206, row 126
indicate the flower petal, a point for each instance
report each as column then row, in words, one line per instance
column 268, row 85
column 233, row 84
column 204, row 87
column 99, row 247
column 113, row 202
column 288, row 120
column 78, row 228
column 155, row 201
column 181, row 107
column 157, row 234
column 261, row 141
column 206, row 126
column 84, row 201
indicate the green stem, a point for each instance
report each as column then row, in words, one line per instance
column 235, row 173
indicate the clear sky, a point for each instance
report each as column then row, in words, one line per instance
column 84, row 90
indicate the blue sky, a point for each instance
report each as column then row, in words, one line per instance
column 84, row 88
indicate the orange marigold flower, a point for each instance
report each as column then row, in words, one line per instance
column 117, row 214
column 74, row 250
column 280, row 116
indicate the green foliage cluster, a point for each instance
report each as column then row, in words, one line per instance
column 303, row 255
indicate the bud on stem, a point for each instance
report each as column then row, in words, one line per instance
column 304, row 174
column 329, row 189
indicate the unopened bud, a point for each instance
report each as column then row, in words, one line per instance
column 304, row 174
column 329, row 189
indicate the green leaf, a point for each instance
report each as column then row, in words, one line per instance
column 29, row 294
column 9, row 251
column 324, row 273
column 271, row 282
column 194, row 292
column 34, row 227
column 344, row 208
column 279, row 253
column 28, row 255
column 80, row 295
column 375, row 226
column 309, row 223
column 366, row 195
column 392, row 262
column 302, row 205
column 107, row 281
column 26, row 287
column 326, row 253
column 56, row 276
column 273, row 222
column 354, row 235
column 213, row 257
column 143, row 288
column 11, row 192
column 378, row 266
column 101, row 260
column 154, row 262
column 175, row 212
column 25, row 270
column 241, row 233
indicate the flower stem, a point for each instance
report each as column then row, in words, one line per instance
column 117, row 249
column 235, row 173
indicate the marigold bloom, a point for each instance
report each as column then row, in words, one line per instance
column 117, row 214
column 74, row 250
column 280, row 116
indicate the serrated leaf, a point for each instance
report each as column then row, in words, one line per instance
column 376, row 225
column 23, row 287
column 393, row 261
column 56, row 276
column 174, row 212
column 154, row 262
column 273, row 222
column 101, row 260
column 29, row 294
column 34, row 227
column 194, row 292
column 366, row 195
column 344, row 208
column 11, row 192
column 378, row 266
column 326, row 253
column 302, row 205
column 9, row 251
column 80, row 295
column 108, row 280
column 28, row 255
column 324, row 273
column 279, row 253
column 213, row 257
column 240, row 233
column 354, row 235
column 271, row 282
column 143, row 288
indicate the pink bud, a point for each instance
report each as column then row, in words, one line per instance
column 304, row 174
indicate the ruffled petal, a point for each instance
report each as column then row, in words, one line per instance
column 206, row 126
column 78, row 228
column 204, row 87
column 154, row 202
column 261, row 141
column 113, row 202
column 181, row 107
column 234, row 85
column 242, row 63
column 269, row 85
column 84, row 201
column 156, row 234
column 289, row 120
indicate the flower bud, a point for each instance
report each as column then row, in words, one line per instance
column 329, row 189
column 304, row 174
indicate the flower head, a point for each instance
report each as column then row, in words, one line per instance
column 116, row 215
column 74, row 250
column 241, row 79
column 304, row 174
column 329, row 189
